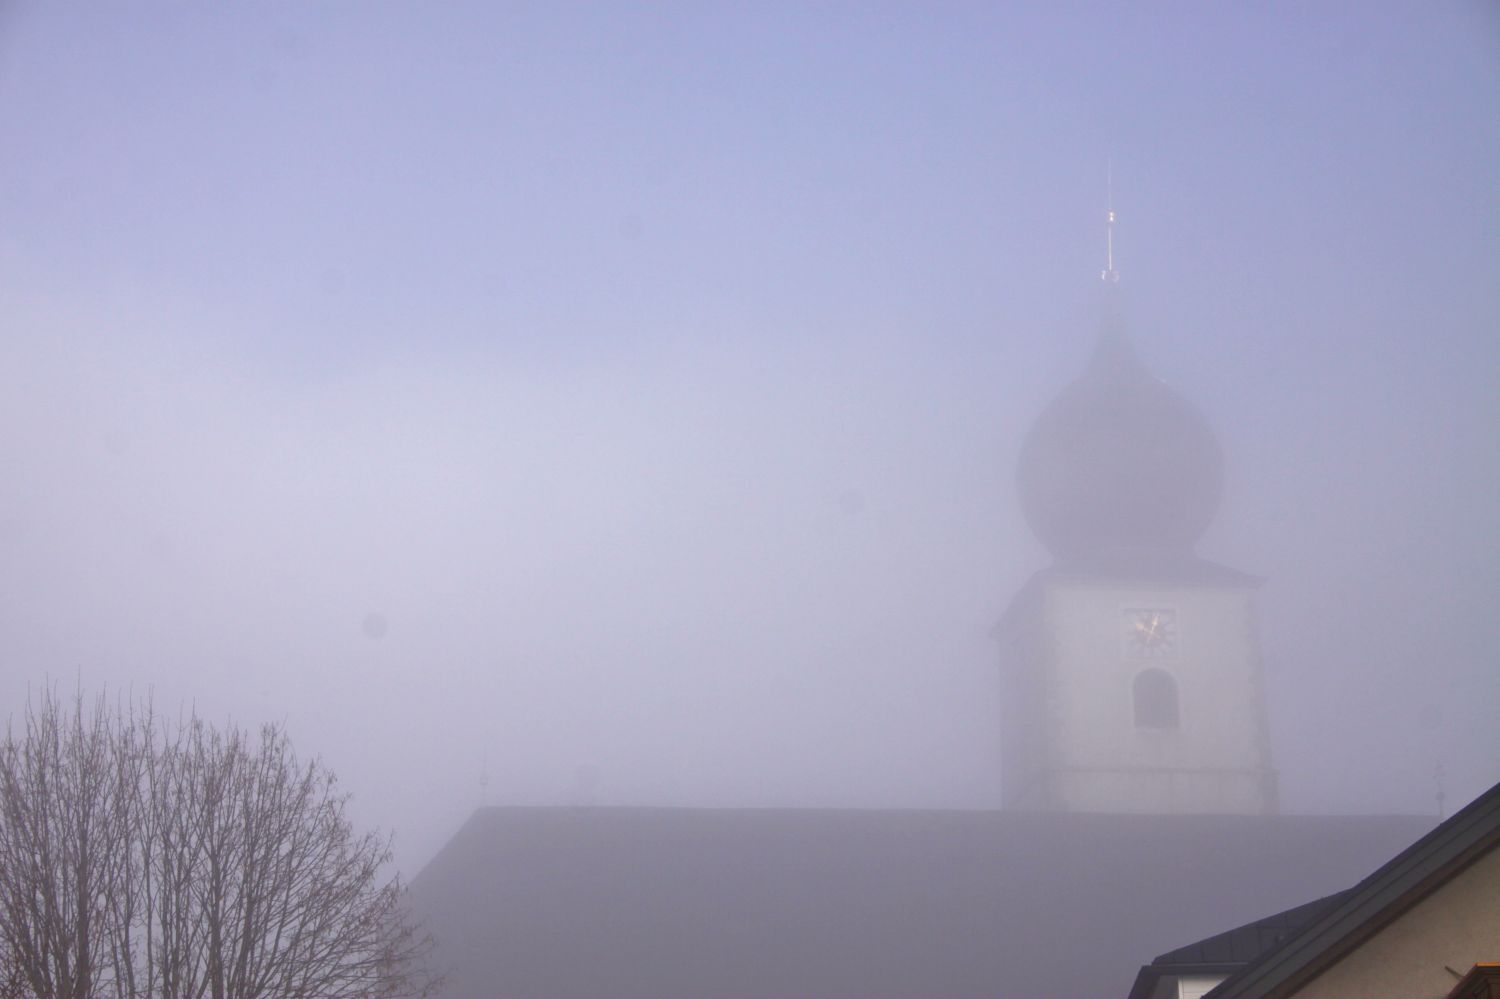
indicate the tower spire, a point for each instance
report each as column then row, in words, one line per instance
column 1110, row 275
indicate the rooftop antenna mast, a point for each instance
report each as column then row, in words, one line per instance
column 1110, row 275
column 1441, row 796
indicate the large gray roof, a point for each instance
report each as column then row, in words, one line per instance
column 630, row 903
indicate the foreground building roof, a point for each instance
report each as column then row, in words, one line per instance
column 1221, row 955
column 1410, row 928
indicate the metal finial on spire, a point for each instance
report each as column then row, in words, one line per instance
column 1110, row 275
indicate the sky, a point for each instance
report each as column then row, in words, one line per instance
column 620, row 403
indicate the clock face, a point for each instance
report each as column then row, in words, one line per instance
column 1150, row 631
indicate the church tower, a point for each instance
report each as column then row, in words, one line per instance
column 1130, row 666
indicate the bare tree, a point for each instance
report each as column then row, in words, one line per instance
column 262, row 886
column 12, row 980
column 138, row 860
column 59, row 843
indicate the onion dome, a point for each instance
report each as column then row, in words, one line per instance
column 1119, row 461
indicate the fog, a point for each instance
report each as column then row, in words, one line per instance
column 621, row 404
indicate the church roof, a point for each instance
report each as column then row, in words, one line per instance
column 661, row 903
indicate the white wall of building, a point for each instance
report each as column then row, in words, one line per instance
column 1215, row 760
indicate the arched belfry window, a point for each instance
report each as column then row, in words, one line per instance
column 1155, row 699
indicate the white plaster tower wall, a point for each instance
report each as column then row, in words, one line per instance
column 1214, row 759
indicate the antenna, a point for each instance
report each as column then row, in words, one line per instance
column 1110, row 275
column 1441, row 797
column 484, row 779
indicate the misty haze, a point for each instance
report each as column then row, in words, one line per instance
column 628, row 406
